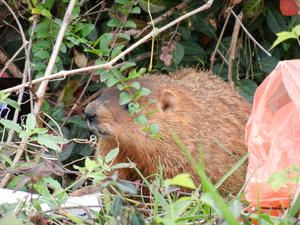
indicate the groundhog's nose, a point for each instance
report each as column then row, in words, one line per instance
column 90, row 114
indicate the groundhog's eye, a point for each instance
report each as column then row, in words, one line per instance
column 126, row 107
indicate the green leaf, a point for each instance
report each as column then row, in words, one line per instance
column 104, row 43
column 49, row 4
column 275, row 21
column 11, row 125
column 296, row 29
column 178, row 53
column 39, row 131
column 63, row 48
column 175, row 210
column 141, row 119
column 282, row 36
column 113, row 23
column 201, row 24
column 44, row 140
column 35, row 11
column 154, row 128
column 3, row 96
column 125, row 36
column 246, row 88
column 252, row 8
column 30, row 122
column 121, row 165
column 123, row 2
column 42, row 54
column 142, row 92
column 125, row 98
column 87, row 29
column 116, row 51
column 156, row 6
column 135, row 10
column 57, row 139
column 137, row 219
column 44, row 44
column 151, row 101
column 127, row 187
column 12, row 103
column 117, row 206
column 135, row 85
column 50, row 141
column 267, row 64
column 42, row 30
column 132, row 75
column 99, row 71
column 133, row 107
column 183, row 180
column 278, row 179
column 111, row 155
column 127, row 65
column 24, row 134
column 111, row 81
column 90, row 165
column 105, row 76
column 192, row 48
column 130, row 24
column 46, row 13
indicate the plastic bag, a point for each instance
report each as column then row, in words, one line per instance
column 273, row 138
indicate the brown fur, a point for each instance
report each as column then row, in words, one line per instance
column 197, row 106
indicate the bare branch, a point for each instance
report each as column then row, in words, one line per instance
column 233, row 44
column 213, row 55
column 13, row 69
column 42, row 89
column 249, row 35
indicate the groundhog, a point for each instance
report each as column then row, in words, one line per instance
column 199, row 107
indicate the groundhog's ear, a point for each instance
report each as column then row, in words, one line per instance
column 168, row 101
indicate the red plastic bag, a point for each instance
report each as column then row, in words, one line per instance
column 273, row 136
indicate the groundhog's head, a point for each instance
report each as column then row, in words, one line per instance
column 109, row 119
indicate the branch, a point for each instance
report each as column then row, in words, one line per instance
column 249, row 35
column 213, row 55
column 42, row 89
column 163, row 17
column 110, row 64
column 12, row 68
column 233, row 44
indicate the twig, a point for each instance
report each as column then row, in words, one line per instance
column 26, row 74
column 249, row 35
column 110, row 64
column 222, row 56
column 77, row 103
column 12, row 68
column 91, row 98
column 163, row 17
column 42, row 89
column 213, row 55
column 233, row 44
column 17, row 158
column 22, row 33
